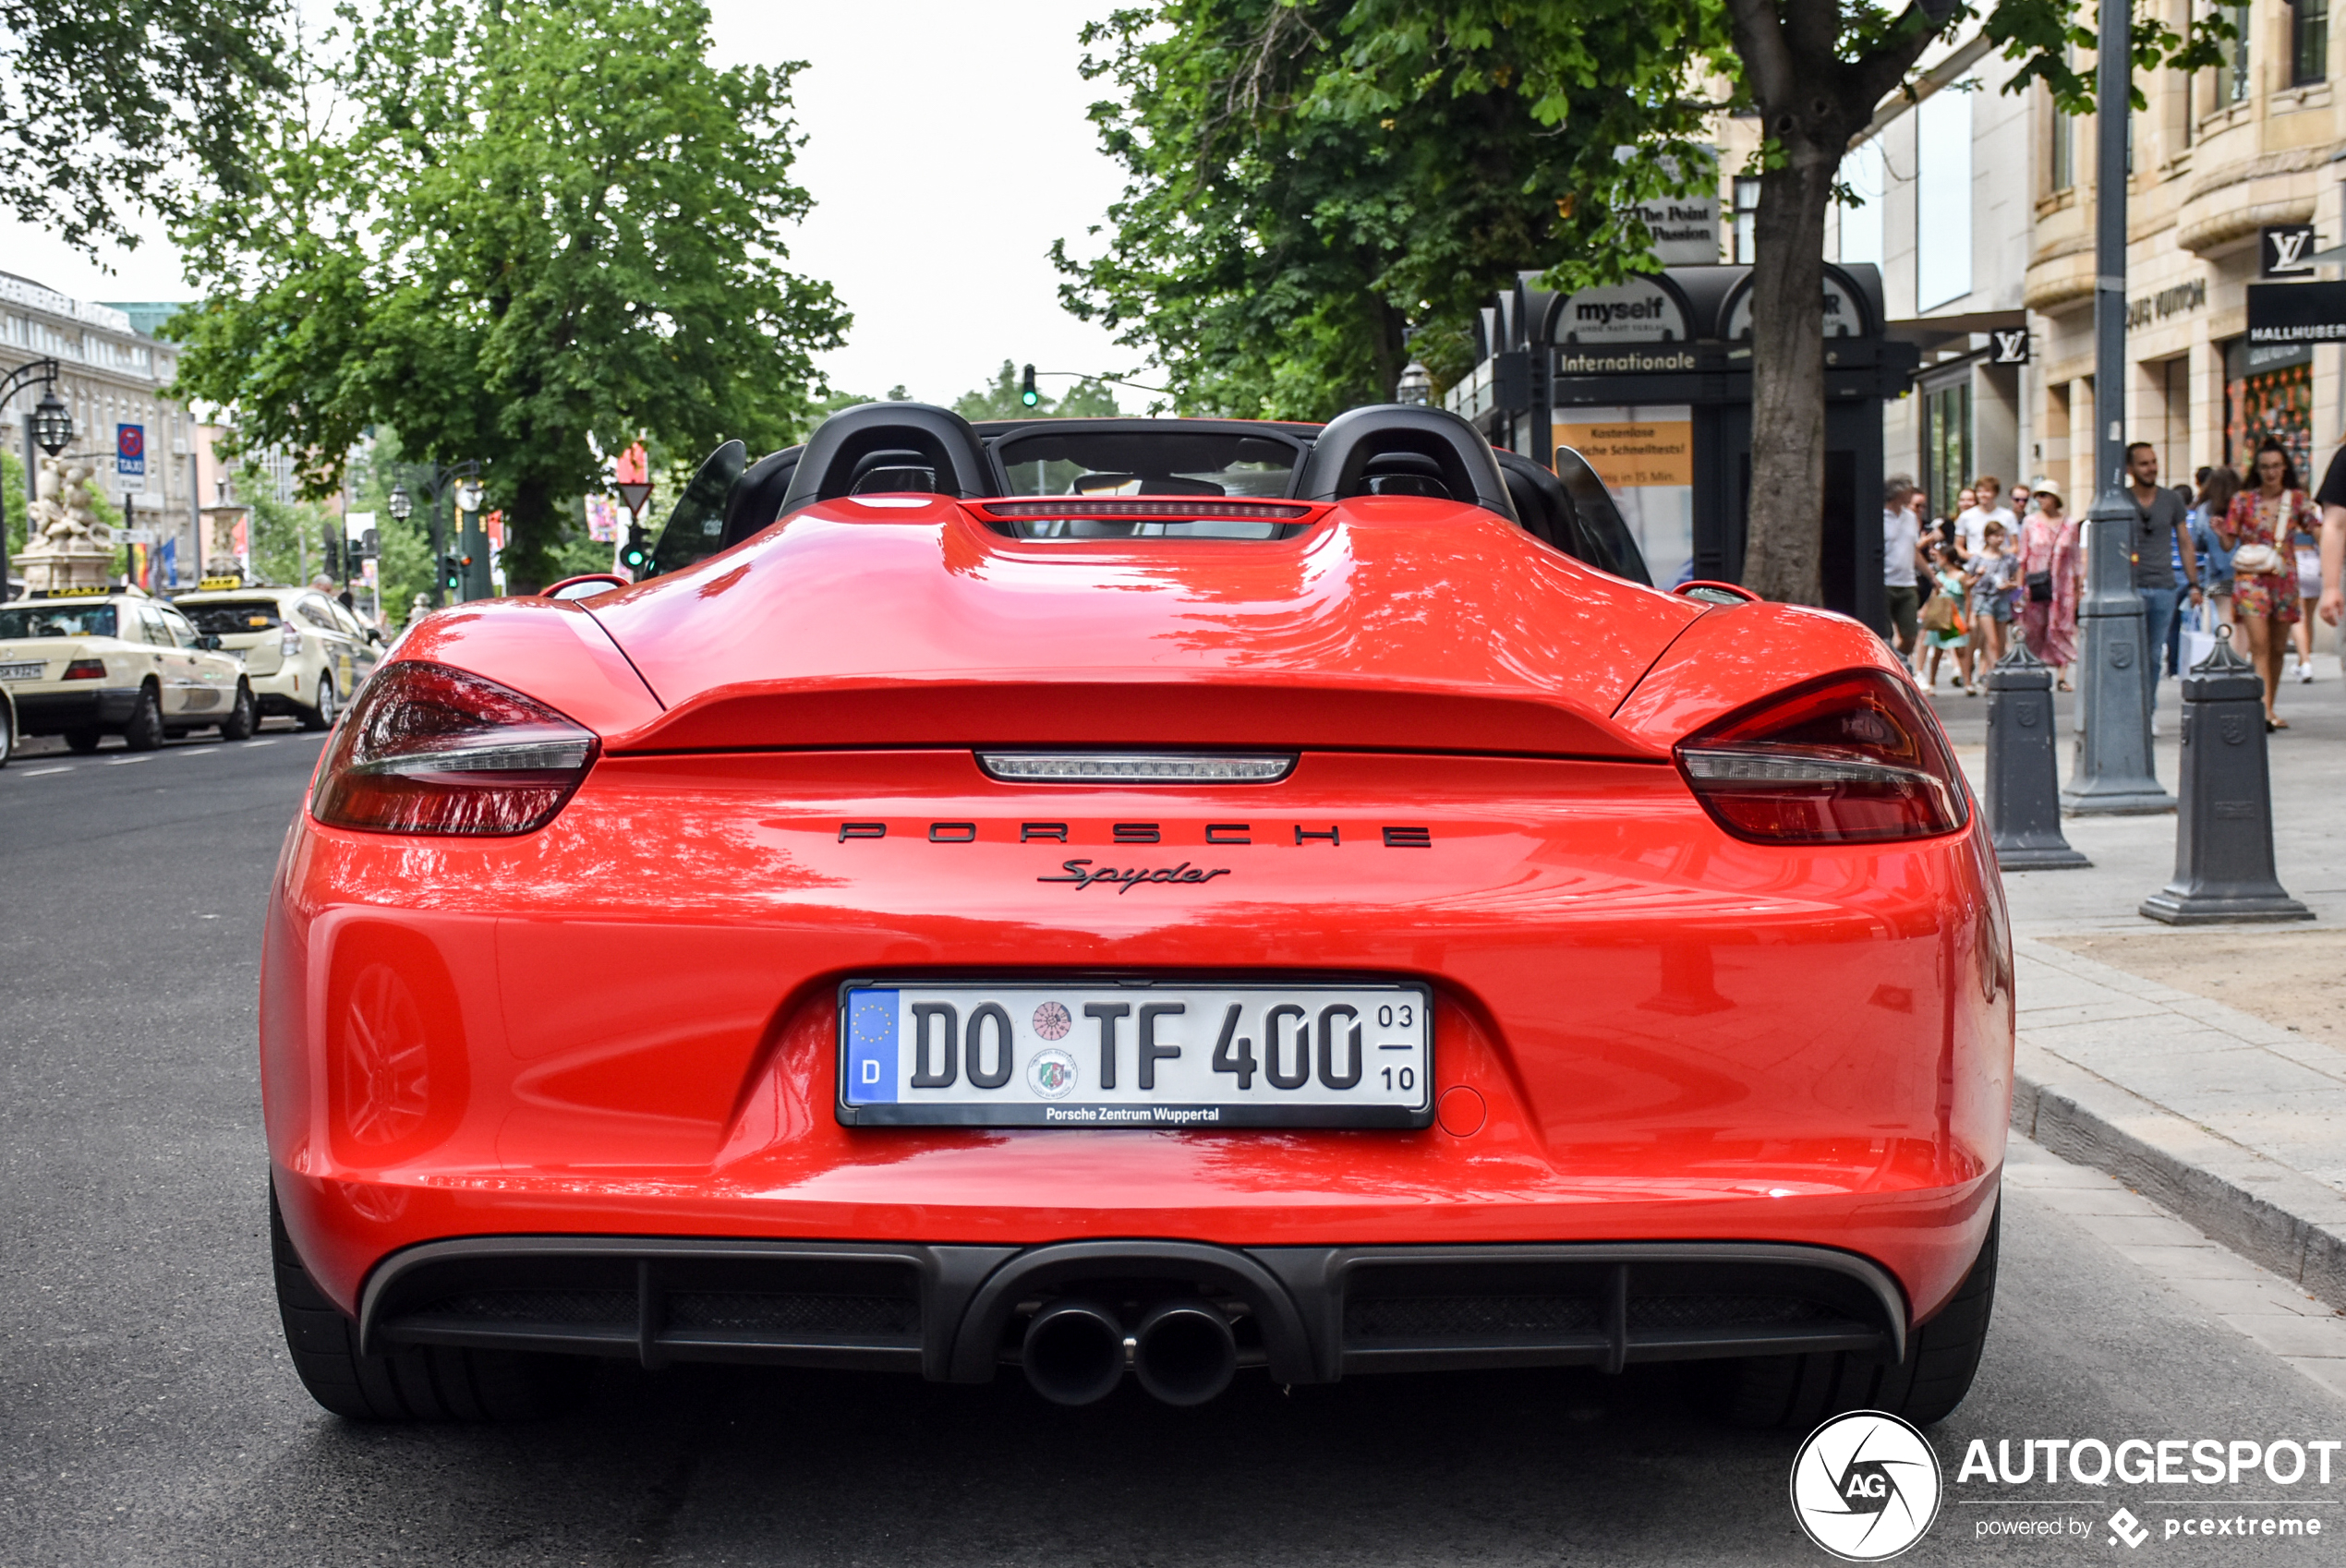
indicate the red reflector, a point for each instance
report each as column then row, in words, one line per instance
column 429, row 748
column 86, row 669
column 1851, row 758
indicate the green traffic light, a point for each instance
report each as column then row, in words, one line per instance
column 1026, row 393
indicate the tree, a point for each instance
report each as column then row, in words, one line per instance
column 1816, row 70
column 515, row 234
column 1315, row 188
column 144, row 100
column 1000, row 398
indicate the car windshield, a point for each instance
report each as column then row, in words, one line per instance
column 59, row 621
column 1172, row 462
column 231, row 618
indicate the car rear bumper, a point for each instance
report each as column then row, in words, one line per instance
column 54, row 712
column 1645, row 1032
column 1308, row 1314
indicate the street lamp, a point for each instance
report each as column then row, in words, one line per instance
column 52, row 423
column 38, row 369
column 1415, row 386
column 467, row 496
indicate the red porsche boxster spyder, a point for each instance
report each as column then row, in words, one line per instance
column 1174, row 898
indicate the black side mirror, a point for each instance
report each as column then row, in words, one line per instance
column 374, row 636
column 208, row 641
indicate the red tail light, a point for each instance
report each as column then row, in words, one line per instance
column 1851, row 758
column 85, row 669
column 427, row 749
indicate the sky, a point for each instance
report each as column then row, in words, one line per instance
column 947, row 148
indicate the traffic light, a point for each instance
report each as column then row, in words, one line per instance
column 452, row 571
column 637, row 556
column 1026, row 393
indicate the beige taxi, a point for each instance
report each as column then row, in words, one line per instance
column 88, row 663
column 305, row 655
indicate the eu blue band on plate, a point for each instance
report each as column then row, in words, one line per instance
column 871, row 1048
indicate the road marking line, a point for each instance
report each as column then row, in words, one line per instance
column 126, row 762
column 38, row 772
column 256, row 745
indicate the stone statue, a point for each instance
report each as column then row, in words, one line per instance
column 66, row 546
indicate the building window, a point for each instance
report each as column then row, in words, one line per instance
column 1946, row 445
column 1943, row 198
column 1747, row 220
column 2308, row 41
column 2232, row 79
column 2063, row 159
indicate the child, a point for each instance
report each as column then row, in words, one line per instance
column 1945, row 623
column 1992, row 573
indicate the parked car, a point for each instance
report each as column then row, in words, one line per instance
column 305, row 655
column 1169, row 898
column 86, row 664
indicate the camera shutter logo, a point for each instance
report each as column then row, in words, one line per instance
column 1865, row 1487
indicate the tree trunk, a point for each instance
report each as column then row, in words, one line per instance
column 533, row 531
column 1782, row 558
column 1811, row 103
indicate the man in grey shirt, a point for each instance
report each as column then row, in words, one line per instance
column 2161, row 525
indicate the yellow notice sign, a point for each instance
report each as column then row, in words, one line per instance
column 1633, row 453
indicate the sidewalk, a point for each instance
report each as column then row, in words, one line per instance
column 2205, row 1066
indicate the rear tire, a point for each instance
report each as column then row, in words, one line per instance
column 243, row 718
column 145, row 731
column 82, row 741
column 1942, row 1356
column 7, row 734
column 322, row 715
column 413, row 1383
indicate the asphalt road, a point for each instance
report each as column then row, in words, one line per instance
column 147, row 1415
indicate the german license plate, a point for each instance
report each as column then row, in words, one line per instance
column 31, row 670
column 1164, row 1055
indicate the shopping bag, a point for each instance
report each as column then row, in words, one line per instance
column 2198, row 637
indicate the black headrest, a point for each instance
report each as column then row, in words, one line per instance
column 756, row 498
column 855, row 441
column 1345, row 458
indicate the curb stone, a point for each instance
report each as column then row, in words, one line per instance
column 2285, row 1221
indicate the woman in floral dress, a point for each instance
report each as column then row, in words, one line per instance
column 2048, row 550
column 2265, row 601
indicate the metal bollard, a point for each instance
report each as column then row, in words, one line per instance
column 2023, row 790
column 2224, row 828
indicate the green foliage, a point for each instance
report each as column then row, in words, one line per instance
column 1309, row 181
column 2047, row 36
column 287, row 539
column 999, row 399
column 516, row 233
column 19, row 505
column 139, row 102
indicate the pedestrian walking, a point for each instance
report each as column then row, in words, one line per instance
column 2159, row 517
column 2051, row 579
column 2306, row 554
column 2216, row 487
column 1944, row 628
column 1900, row 535
column 1987, row 506
column 2264, row 579
column 1993, row 573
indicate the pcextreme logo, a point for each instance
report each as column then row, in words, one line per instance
column 1865, row 1486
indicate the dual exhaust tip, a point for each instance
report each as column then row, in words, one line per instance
column 1183, row 1351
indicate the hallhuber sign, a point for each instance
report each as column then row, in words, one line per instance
column 2297, row 313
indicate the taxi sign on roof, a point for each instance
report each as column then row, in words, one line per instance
column 215, row 584
column 79, row 593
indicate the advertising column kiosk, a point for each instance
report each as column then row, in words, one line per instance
column 1649, row 381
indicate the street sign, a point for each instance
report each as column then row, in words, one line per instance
column 357, row 525
column 2296, row 313
column 131, row 458
column 134, row 535
column 2287, row 250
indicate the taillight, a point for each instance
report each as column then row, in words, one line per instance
column 427, row 749
column 85, row 669
column 1845, row 759
column 289, row 640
